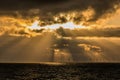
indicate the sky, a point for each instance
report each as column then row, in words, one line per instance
column 59, row 30
column 20, row 14
column 79, row 11
column 115, row 20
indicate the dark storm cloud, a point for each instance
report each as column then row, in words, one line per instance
column 104, row 32
column 47, row 9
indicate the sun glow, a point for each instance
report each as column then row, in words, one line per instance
column 68, row 25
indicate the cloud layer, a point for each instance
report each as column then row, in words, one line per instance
column 60, row 11
column 15, row 15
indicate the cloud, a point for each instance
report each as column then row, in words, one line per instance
column 16, row 27
column 60, row 11
column 93, row 32
column 16, row 15
column 88, row 48
column 80, row 50
column 19, row 27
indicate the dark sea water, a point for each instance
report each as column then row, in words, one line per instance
column 66, row 71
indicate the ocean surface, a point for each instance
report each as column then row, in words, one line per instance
column 60, row 71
